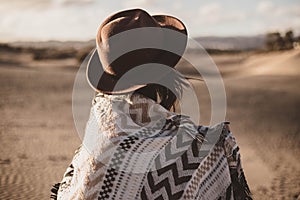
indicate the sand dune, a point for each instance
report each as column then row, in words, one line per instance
column 38, row 137
column 280, row 63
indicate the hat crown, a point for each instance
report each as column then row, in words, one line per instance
column 110, row 44
column 124, row 21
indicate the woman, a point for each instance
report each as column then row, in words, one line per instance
column 134, row 147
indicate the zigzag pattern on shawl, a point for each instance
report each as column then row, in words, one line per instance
column 172, row 150
column 99, row 167
column 210, row 167
column 130, row 122
column 117, row 159
column 169, row 182
column 177, row 146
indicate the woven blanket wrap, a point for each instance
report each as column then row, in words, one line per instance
column 135, row 149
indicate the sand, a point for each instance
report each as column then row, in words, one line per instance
column 38, row 137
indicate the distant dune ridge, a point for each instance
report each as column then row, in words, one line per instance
column 241, row 43
column 38, row 137
column 209, row 42
column 80, row 49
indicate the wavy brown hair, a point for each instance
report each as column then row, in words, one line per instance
column 166, row 97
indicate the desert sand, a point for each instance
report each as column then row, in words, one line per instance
column 38, row 136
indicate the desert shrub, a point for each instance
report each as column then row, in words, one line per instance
column 288, row 39
column 275, row 42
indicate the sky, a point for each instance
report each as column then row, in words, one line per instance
column 41, row 20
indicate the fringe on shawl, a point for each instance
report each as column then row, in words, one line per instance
column 54, row 191
column 238, row 189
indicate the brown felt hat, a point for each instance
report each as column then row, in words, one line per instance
column 129, row 39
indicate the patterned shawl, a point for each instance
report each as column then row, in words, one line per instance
column 133, row 148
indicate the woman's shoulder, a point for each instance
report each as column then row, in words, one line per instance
column 219, row 133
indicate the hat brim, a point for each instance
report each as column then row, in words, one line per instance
column 104, row 82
